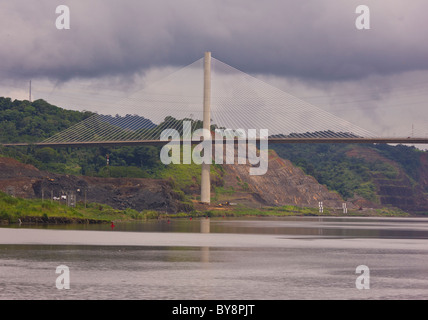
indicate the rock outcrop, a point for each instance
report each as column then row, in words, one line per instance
column 283, row 184
column 26, row 181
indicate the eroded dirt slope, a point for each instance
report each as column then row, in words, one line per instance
column 283, row 184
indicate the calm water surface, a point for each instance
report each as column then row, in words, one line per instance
column 263, row 258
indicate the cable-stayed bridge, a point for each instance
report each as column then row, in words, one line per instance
column 209, row 94
column 236, row 101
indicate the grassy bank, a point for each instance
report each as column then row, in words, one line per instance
column 12, row 210
column 284, row 211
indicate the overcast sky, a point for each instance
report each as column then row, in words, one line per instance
column 309, row 48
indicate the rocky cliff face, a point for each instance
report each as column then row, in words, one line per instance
column 119, row 193
column 283, row 184
column 27, row 181
column 17, row 178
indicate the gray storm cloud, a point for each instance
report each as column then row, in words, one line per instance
column 374, row 78
column 309, row 39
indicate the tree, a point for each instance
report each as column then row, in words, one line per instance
column 46, row 154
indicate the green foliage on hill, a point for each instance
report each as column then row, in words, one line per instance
column 22, row 121
column 408, row 157
column 349, row 176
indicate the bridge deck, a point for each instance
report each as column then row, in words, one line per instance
column 270, row 140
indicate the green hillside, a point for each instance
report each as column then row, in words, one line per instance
column 330, row 165
column 22, row 121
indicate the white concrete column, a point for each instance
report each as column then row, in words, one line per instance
column 205, row 175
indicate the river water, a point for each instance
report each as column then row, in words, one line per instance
column 219, row 259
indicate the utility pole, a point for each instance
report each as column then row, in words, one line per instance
column 30, row 93
column 205, row 175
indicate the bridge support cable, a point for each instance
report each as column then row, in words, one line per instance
column 238, row 101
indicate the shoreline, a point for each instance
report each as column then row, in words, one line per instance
column 58, row 220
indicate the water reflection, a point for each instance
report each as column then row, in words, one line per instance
column 202, row 265
column 205, row 225
column 341, row 227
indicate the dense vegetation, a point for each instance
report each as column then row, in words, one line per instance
column 22, row 121
column 408, row 157
column 329, row 164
